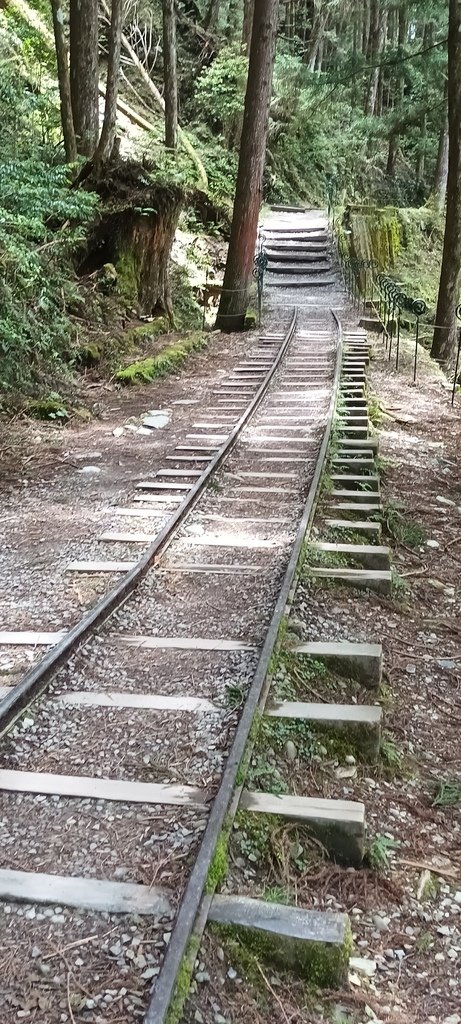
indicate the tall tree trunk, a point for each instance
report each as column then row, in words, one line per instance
column 84, row 73
column 444, row 339
column 392, row 154
column 441, row 167
column 248, row 193
column 210, row 21
column 421, row 153
column 248, row 12
column 377, row 41
column 106, row 142
column 366, row 28
column 62, row 59
column 170, row 74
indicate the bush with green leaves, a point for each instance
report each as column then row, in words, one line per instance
column 42, row 221
column 220, row 95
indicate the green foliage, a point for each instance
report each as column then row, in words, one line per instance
column 41, row 223
column 379, row 852
column 51, row 408
column 448, row 793
column 391, row 755
column 398, row 526
column 220, row 95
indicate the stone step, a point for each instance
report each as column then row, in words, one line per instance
column 353, row 454
column 362, row 464
column 307, row 282
column 355, row 507
column 357, row 481
column 298, row 267
column 356, row 407
column 371, row 556
column 361, row 443
column 359, row 661
column 354, row 419
column 367, row 579
column 352, row 433
column 363, row 526
column 339, row 824
column 361, row 722
column 313, row 943
column 361, row 497
column 303, row 257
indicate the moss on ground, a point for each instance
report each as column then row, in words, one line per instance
column 175, row 1011
column 320, row 964
column 170, row 359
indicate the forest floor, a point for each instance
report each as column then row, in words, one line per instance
column 406, row 916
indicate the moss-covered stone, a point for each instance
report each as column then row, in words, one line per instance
column 320, row 964
column 148, row 331
column 251, row 320
column 170, row 359
column 88, row 355
column 51, row 408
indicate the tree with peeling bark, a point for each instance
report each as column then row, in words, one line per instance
column 170, row 77
column 84, row 73
column 444, row 338
column 248, row 192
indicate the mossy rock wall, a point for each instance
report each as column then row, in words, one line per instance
column 373, row 234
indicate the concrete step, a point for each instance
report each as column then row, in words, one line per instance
column 312, row 943
column 352, row 433
column 355, row 507
column 298, row 268
column 361, row 497
column 357, row 481
column 364, row 464
column 359, row 722
column 371, row 556
column 296, row 256
column 359, row 661
column 339, row 824
column 352, row 419
column 307, row 282
column 368, row 528
column 366, row 579
column 369, row 443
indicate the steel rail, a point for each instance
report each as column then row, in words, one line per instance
column 192, row 914
column 35, row 681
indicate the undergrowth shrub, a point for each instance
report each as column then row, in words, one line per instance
column 41, row 223
column 42, row 219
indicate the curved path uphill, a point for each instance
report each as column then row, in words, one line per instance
column 114, row 759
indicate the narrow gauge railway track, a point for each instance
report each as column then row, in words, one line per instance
column 137, row 742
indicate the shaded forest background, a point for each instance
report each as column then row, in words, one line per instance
column 359, row 107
